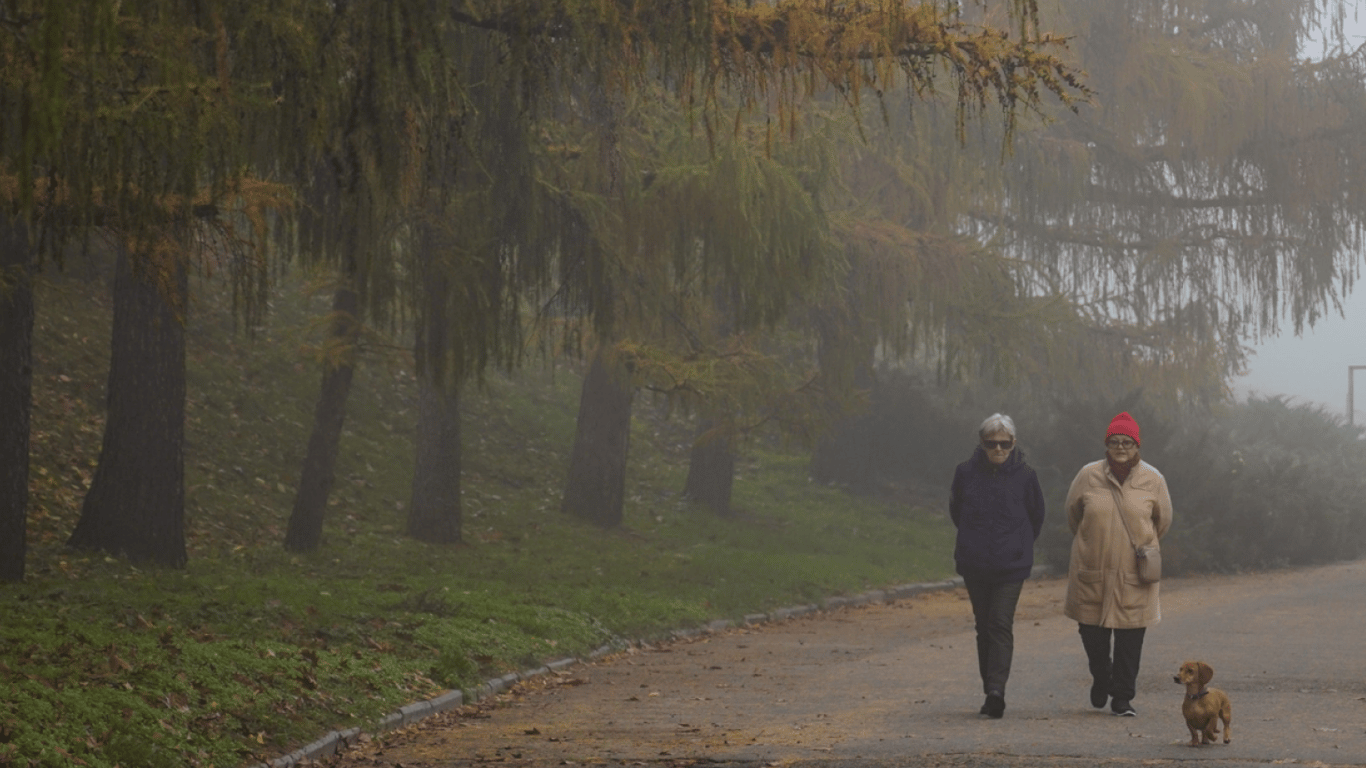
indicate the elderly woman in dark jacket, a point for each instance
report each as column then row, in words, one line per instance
column 998, row 507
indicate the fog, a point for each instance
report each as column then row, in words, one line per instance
column 1313, row 368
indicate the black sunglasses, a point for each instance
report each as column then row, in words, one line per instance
column 1002, row 444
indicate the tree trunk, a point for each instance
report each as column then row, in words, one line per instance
column 320, row 464
column 711, row 469
column 136, row 503
column 844, row 454
column 434, row 514
column 844, row 451
column 16, row 392
column 596, row 487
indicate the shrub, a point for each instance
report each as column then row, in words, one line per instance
column 1255, row 485
column 1269, row 484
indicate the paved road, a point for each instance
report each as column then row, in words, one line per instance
column 896, row 685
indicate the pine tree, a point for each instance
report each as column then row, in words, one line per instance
column 123, row 121
column 1215, row 194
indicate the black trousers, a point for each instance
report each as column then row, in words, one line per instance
column 1117, row 672
column 993, row 608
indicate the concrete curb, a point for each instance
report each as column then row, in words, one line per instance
column 407, row 715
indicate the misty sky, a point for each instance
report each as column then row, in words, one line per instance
column 1313, row 368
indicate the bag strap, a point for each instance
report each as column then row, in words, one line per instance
column 1119, row 510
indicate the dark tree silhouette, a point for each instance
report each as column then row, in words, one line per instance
column 16, row 385
column 596, row 485
column 711, row 469
column 319, row 468
column 434, row 514
column 136, row 503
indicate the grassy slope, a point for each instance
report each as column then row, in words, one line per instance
column 251, row 651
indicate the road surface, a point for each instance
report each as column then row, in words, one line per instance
column 896, row 685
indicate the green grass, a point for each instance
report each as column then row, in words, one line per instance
column 250, row 651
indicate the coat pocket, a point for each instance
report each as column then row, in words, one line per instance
column 1133, row 596
column 1088, row 587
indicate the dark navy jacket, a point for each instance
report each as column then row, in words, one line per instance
column 999, row 513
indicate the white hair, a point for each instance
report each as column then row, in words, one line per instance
column 996, row 422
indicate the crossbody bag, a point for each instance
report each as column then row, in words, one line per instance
column 1148, row 556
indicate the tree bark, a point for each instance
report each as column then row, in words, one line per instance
column 434, row 514
column 711, row 469
column 844, row 454
column 320, row 463
column 136, row 503
column 16, row 392
column 596, row 487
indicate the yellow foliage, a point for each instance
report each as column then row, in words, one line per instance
column 852, row 47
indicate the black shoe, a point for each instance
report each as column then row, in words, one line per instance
column 1121, row 708
column 995, row 706
column 1098, row 695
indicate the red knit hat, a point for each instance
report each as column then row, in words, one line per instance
column 1123, row 424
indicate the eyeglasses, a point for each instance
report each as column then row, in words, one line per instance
column 1120, row 442
column 1003, row 445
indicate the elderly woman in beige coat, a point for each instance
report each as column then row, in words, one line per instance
column 1114, row 504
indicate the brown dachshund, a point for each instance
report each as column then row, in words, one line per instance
column 1203, row 707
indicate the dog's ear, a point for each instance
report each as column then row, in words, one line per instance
column 1206, row 673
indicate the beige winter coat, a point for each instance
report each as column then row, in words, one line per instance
column 1102, row 582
